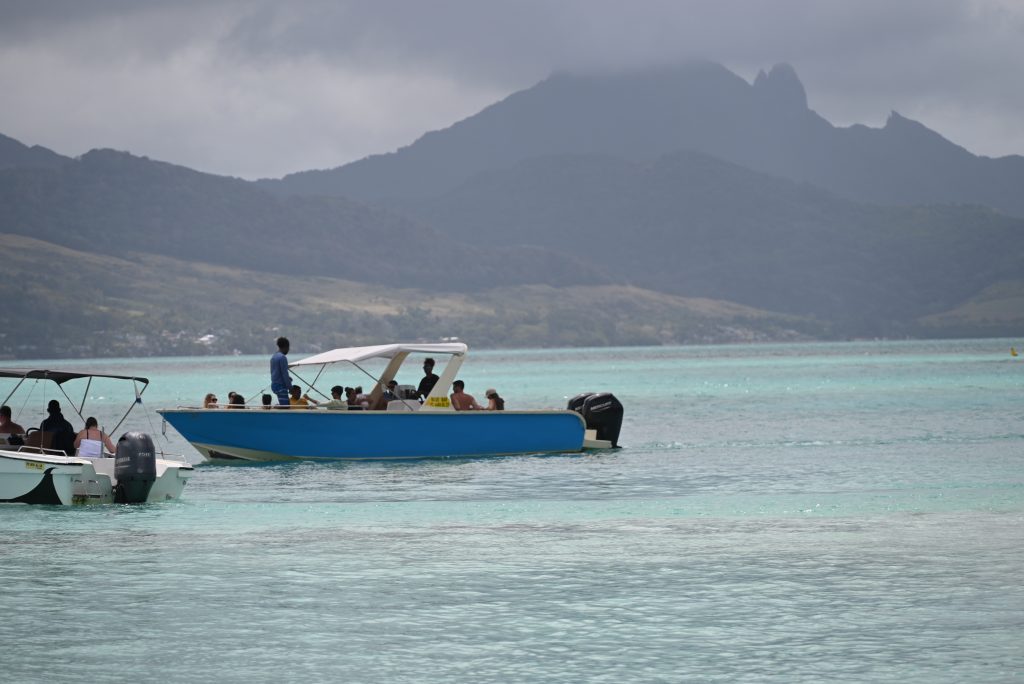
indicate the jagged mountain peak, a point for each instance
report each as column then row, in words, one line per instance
column 931, row 145
column 641, row 114
column 781, row 86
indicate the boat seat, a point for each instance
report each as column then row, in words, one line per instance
column 39, row 439
column 64, row 441
column 403, row 405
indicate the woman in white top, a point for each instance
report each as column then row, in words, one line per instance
column 91, row 440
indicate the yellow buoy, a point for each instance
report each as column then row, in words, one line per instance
column 1013, row 351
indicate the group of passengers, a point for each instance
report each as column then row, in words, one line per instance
column 55, row 432
column 235, row 400
column 461, row 401
column 291, row 395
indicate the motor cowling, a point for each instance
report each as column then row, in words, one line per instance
column 134, row 467
column 576, row 403
column 602, row 412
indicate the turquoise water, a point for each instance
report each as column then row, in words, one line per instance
column 844, row 512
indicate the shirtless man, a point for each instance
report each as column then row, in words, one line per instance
column 7, row 426
column 462, row 401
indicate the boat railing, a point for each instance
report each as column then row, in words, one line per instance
column 27, row 449
column 174, row 458
column 32, row 449
column 274, row 407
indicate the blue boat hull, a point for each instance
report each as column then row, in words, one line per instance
column 273, row 435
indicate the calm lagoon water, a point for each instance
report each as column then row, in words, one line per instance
column 816, row 512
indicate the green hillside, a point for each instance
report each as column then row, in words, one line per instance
column 693, row 225
column 997, row 311
column 61, row 302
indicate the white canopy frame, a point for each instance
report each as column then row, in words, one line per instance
column 59, row 377
column 437, row 400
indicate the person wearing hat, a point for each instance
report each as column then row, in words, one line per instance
column 494, row 402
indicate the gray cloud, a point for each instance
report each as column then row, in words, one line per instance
column 261, row 88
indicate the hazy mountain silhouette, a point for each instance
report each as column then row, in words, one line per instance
column 14, row 154
column 642, row 115
column 690, row 223
column 687, row 181
column 111, row 202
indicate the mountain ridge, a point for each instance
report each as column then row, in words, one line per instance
column 15, row 154
column 592, row 203
column 690, row 223
column 111, row 201
column 765, row 126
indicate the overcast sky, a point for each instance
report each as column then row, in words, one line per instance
column 260, row 88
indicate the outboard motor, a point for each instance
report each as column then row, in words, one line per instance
column 603, row 413
column 134, row 467
column 576, row 403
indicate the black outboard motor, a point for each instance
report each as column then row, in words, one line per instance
column 601, row 412
column 576, row 403
column 134, row 467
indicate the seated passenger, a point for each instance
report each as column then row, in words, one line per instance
column 494, row 402
column 8, row 426
column 362, row 400
column 57, row 425
column 337, row 403
column 428, row 381
column 91, row 441
column 236, row 400
column 386, row 396
column 462, row 401
column 297, row 398
column 210, row 400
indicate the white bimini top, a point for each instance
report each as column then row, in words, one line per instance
column 379, row 351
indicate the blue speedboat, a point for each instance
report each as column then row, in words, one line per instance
column 399, row 428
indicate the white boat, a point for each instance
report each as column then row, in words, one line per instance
column 404, row 429
column 38, row 473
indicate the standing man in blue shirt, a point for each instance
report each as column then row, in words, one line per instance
column 280, row 380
